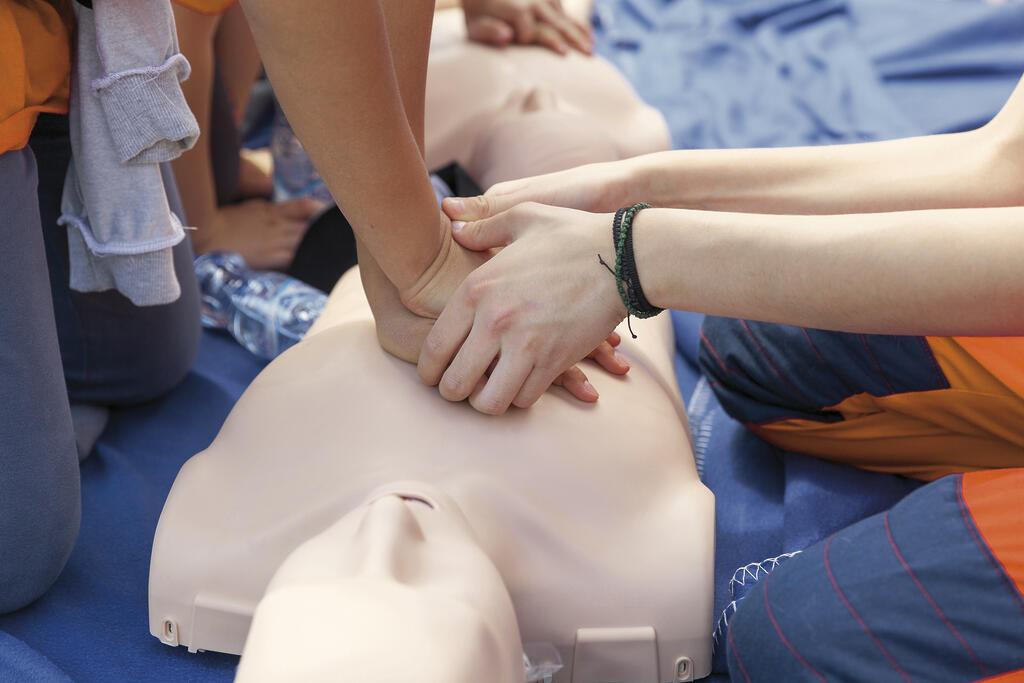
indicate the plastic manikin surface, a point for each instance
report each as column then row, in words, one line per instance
column 592, row 514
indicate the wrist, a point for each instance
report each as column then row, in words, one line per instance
column 649, row 247
column 644, row 180
column 604, row 244
column 420, row 296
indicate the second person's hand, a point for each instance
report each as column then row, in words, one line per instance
column 530, row 313
column 598, row 188
column 540, row 22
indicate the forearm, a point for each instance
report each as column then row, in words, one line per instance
column 941, row 171
column 332, row 71
column 943, row 272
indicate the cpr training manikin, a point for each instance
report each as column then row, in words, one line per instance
column 350, row 524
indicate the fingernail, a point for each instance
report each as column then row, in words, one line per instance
column 589, row 387
column 458, row 225
column 624, row 362
column 456, row 204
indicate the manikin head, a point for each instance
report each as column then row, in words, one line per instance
column 536, row 132
column 396, row 590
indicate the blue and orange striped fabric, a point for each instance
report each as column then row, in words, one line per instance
column 920, row 406
column 929, row 591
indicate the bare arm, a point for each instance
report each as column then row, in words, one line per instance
column 332, row 69
column 979, row 168
column 265, row 234
column 937, row 272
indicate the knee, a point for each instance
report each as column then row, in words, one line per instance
column 37, row 534
column 786, row 628
column 172, row 362
column 756, row 650
column 175, row 332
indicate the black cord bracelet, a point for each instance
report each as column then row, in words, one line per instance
column 626, row 277
column 638, row 304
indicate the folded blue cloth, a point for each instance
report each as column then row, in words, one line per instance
column 772, row 73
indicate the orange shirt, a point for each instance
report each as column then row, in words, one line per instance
column 35, row 65
column 35, row 61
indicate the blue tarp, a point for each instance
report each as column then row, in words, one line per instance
column 726, row 73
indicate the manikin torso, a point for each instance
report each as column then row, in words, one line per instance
column 471, row 88
column 593, row 515
column 583, row 526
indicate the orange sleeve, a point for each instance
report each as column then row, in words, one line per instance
column 207, row 6
column 35, row 66
column 991, row 497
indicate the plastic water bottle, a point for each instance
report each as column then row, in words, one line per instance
column 266, row 312
column 294, row 174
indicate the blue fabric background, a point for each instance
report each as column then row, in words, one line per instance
column 729, row 73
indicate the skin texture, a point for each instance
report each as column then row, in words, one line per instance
column 930, row 246
column 265, row 234
column 405, row 248
column 588, row 519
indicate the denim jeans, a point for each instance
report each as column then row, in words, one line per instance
column 56, row 344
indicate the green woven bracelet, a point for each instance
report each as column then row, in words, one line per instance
column 626, row 278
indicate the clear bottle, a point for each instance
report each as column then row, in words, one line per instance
column 266, row 312
column 294, row 174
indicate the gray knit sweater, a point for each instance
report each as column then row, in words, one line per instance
column 127, row 115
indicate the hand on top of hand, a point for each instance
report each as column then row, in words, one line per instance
column 404, row 319
column 528, row 314
column 541, row 22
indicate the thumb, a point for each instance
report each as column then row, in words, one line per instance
column 484, row 234
column 526, row 26
column 489, row 30
column 472, row 208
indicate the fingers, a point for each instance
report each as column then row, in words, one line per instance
column 540, row 379
column 502, row 386
column 551, row 38
column 469, row 367
column 574, row 381
column 588, row 31
column 568, row 32
column 472, row 208
column 499, row 231
column 526, row 27
column 490, row 30
column 605, row 356
column 445, row 339
column 614, row 339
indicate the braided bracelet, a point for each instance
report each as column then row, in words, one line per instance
column 626, row 277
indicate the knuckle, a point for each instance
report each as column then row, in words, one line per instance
column 490, row 405
column 432, row 347
column 524, row 401
column 484, row 205
column 453, row 387
column 501, row 319
column 475, row 289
